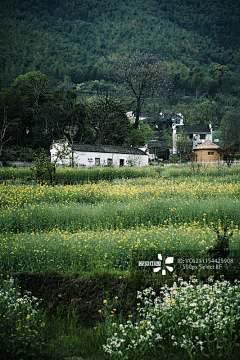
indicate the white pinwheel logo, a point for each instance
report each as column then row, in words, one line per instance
column 169, row 260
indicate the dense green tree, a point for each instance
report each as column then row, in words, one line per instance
column 78, row 42
column 107, row 117
column 80, row 39
column 35, row 89
column 139, row 137
column 201, row 113
column 76, row 125
column 223, row 77
column 44, row 165
column 230, row 127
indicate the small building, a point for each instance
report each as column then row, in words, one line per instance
column 207, row 152
column 94, row 155
column 198, row 134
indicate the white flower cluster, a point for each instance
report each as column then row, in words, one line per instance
column 15, row 301
column 200, row 318
column 20, row 321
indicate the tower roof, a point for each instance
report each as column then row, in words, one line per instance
column 206, row 145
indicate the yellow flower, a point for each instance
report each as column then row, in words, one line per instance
column 104, row 301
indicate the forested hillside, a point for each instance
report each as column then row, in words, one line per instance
column 55, row 56
column 82, row 38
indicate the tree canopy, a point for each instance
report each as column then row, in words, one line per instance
column 144, row 75
column 75, row 41
column 53, row 48
column 34, row 112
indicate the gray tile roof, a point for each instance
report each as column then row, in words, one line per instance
column 108, row 149
column 157, row 143
column 195, row 129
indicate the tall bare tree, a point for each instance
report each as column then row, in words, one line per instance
column 144, row 75
column 4, row 125
column 9, row 120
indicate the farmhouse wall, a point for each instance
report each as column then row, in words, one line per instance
column 207, row 155
column 90, row 155
column 95, row 158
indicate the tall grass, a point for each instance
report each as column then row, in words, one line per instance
column 81, row 175
column 73, row 217
column 67, row 337
column 106, row 250
column 199, row 170
column 121, row 204
column 119, row 191
column 71, row 175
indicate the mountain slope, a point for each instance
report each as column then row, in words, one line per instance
column 81, row 38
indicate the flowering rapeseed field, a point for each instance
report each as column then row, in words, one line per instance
column 99, row 225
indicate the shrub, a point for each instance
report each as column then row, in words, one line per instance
column 201, row 318
column 21, row 326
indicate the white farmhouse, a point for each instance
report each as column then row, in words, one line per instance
column 197, row 133
column 94, row 155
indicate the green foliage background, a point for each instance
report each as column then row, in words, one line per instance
column 78, row 40
column 72, row 46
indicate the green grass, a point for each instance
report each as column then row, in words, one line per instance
column 70, row 175
column 94, row 251
column 74, row 217
column 67, row 337
column 99, row 226
column 80, row 175
column 121, row 204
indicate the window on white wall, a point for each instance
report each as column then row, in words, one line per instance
column 97, row 161
column 109, row 162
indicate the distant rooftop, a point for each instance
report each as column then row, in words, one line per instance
column 194, row 129
column 108, row 149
